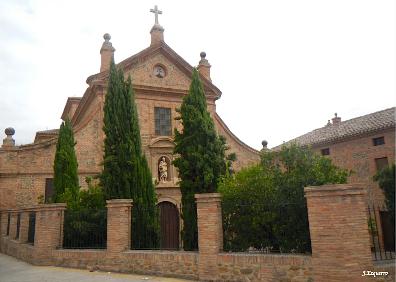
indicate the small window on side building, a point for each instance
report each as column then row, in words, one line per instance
column 381, row 163
column 49, row 190
column 325, row 151
column 378, row 141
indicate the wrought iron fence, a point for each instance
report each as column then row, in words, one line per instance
column 8, row 224
column 18, row 226
column 266, row 228
column 85, row 229
column 158, row 228
column 382, row 232
column 32, row 227
column 145, row 228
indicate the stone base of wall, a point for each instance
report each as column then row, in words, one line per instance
column 230, row 266
column 160, row 263
column 20, row 251
column 259, row 267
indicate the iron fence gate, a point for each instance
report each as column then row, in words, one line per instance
column 32, row 227
column 382, row 232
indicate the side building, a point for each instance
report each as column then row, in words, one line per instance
column 363, row 145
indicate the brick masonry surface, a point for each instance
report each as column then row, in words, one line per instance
column 230, row 267
column 358, row 154
column 338, row 227
column 256, row 267
column 207, row 264
column 118, row 225
column 24, row 169
column 210, row 233
column 339, row 232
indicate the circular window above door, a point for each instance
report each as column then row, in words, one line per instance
column 159, row 71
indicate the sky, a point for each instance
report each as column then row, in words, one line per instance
column 284, row 67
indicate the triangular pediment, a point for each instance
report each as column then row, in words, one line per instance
column 157, row 70
column 178, row 72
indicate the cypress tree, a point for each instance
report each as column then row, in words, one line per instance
column 65, row 163
column 201, row 160
column 126, row 174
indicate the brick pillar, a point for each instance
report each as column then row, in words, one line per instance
column 49, row 228
column 4, row 219
column 119, row 225
column 204, row 66
column 3, row 228
column 24, row 227
column 13, row 224
column 106, row 53
column 210, row 234
column 338, row 226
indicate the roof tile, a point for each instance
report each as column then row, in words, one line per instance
column 356, row 126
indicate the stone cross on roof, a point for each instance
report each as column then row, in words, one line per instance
column 156, row 12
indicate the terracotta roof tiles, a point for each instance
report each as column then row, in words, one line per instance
column 360, row 125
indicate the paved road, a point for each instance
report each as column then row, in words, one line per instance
column 13, row 270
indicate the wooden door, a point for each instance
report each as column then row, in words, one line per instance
column 169, row 216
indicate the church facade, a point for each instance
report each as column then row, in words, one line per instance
column 160, row 78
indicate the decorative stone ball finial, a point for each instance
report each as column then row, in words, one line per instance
column 335, row 114
column 9, row 142
column 203, row 60
column 204, row 66
column 107, row 37
column 9, row 131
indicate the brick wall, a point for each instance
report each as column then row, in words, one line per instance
column 164, row 263
column 231, row 267
column 338, row 227
column 339, row 232
column 23, row 169
column 191, row 265
column 210, row 233
column 119, row 225
column 358, row 154
column 258, row 267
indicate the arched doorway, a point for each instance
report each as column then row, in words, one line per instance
column 169, row 222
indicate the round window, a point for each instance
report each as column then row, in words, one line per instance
column 159, row 71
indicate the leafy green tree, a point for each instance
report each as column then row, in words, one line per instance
column 85, row 224
column 386, row 180
column 201, row 157
column 264, row 205
column 126, row 174
column 85, row 215
column 65, row 164
column 85, row 228
column 93, row 197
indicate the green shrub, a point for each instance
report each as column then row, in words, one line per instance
column 264, row 206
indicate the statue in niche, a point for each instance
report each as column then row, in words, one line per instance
column 163, row 170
